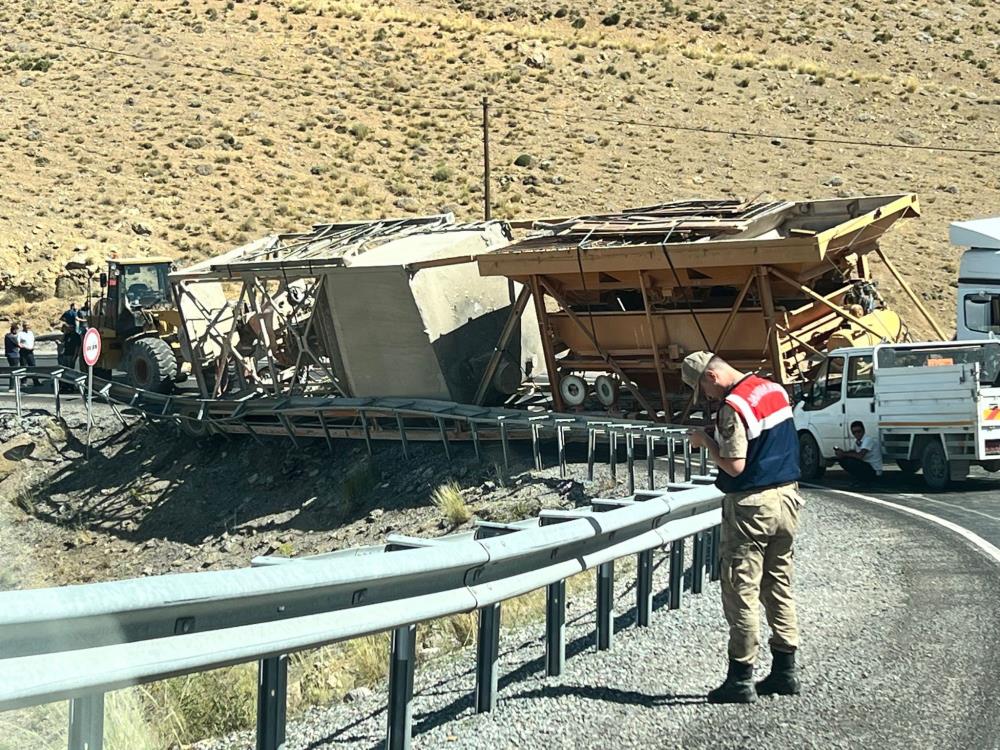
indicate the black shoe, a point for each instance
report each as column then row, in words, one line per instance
column 738, row 686
column 784, row 679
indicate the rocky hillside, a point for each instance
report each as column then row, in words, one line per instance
column 182, row 127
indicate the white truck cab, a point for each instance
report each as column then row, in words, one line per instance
column 978, row 314
column 932, row 406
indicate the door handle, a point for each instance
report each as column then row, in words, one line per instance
column 872, row 406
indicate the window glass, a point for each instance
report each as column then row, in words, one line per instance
column 860, row 383
column 826, row 387
column 982, row 313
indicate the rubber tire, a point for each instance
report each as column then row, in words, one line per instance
column 151, row 365
column 810, row 459
column 937, row 473
column 908, row 466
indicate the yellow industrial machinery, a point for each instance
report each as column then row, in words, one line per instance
column 138, row 322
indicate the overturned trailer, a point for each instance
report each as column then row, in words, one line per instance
column 768, row 285
column 393, row 307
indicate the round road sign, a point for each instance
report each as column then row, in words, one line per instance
column 91, row 346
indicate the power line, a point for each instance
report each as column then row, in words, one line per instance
column 564, row 114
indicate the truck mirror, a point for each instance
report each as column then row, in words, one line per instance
column 104, row 280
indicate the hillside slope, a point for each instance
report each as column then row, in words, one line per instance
column 214, row 122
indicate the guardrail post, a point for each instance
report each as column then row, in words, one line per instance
column 671, row 457
column 400, row 711
column 644, row 588
column 605, row 598
column 368, row 436
column 698, row 563
column 487, row 653
column 474, row 434
column 402, row 436
column 16, row 375
column 715, row 563
column 613, row 454
column 702, row 461
column 444, row 438
column 56, row 388
column 536, row 450
column 504, row 444
column 650, row 461
column 676, row 572
column 272, row 689
column 630, row 458
column 555, row 628
column 591, row 447
column 687, row 460
column 86, row 722
column 561, row 442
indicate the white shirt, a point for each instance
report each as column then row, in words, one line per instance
column 874, row 455
column 26, row 340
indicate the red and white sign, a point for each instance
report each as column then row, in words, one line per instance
column 91, row 346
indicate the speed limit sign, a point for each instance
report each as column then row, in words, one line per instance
column 91, row 346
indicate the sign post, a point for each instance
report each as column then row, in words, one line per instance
column 91, row 353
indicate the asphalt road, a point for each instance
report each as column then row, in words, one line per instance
column 973, row 504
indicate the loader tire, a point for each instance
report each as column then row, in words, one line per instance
column 151, row 365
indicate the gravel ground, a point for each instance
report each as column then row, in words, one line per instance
column 899, row 620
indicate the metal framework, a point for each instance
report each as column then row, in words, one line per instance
column 764, row 284
column 267, row 326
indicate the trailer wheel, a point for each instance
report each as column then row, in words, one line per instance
column 810, row 459
column 937, row 474
column 908, row 466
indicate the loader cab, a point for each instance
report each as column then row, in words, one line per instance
column 978, row 311
column 132, row 286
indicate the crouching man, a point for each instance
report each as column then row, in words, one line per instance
column 757, row 453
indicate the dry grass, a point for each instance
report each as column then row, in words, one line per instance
column 449, row 501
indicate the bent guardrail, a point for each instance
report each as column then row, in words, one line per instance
column 79, row 642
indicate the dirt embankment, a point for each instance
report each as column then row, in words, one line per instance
column 185, row 127
column 149, row 501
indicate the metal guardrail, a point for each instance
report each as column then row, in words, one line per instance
column 399, row 419
column 79, row 642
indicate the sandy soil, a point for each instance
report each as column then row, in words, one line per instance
column 218, row 122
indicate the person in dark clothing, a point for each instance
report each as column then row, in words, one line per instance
column 12, row 351
column 69, row 317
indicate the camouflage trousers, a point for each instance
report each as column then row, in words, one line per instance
column 758, row 533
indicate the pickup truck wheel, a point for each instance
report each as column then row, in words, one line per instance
column 810, row 459
column 908, row 466
column 937, row 475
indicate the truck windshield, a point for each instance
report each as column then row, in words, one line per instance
column 987, row 356
column 982, row 313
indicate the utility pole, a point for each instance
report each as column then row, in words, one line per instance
column 487, row 213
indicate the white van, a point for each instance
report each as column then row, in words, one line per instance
column 978, row 314
column 933, row 406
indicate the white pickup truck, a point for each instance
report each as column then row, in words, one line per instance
column 933, row 406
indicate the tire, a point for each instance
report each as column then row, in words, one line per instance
column 908, row 466
column 937, row 473
column 151, row 365
column 810, row 459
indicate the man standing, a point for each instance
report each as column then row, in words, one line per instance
column 757, row 454
column 864, row 460
column 26, row 344
column 12, row 351
column 69, row 317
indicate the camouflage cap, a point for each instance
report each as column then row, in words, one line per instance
column 693, row 367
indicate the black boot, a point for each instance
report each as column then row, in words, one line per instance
column 784, row 679
column 738, row 687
